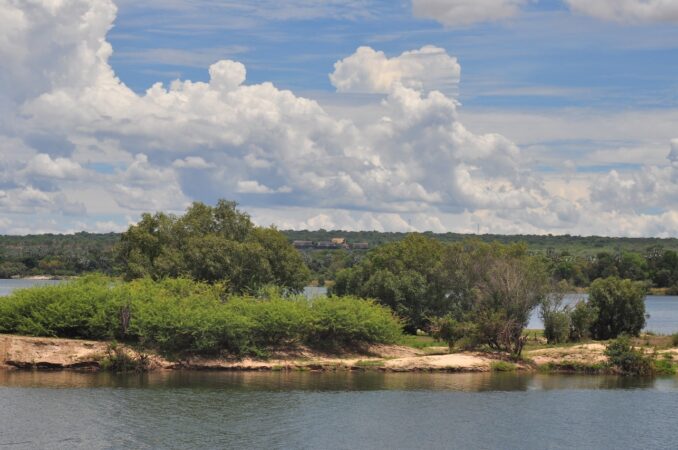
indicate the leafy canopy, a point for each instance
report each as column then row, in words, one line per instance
column 213, row 244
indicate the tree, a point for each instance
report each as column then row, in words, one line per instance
column 213, row 244
column 407, row 276
column 488, row 290
column 620, row 306
column 510, row 290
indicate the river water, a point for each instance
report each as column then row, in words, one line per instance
column 335, row 410
column 662, row 311
column 301, row 410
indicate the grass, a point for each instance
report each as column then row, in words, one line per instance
column 665, row 365
column 573, row 367
column 367, row 363
column 503, row 366
column 419, row 342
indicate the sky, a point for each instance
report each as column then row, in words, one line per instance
column 498, row 116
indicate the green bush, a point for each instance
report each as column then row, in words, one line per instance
column 557, row 327
column 665, row 366
column 184, row 316
column 347, row 321
column 582, row 317
column 620, row 305
column 674, row 340
column 503, row 366
column 628, row 360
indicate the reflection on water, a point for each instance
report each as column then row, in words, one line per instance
column 334, row 410
column 339, row 381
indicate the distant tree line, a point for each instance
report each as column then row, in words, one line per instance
column 58, row 255
column 577, row 260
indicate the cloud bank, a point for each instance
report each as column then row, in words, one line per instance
column 82, row 150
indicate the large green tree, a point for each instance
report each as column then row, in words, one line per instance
column 491, row 288
column 620, row 306
column 407, row 276
column 211, row 243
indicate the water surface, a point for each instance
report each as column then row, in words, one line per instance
column 327, row 411
column 8, row 285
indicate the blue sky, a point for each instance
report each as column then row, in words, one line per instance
column 515, row 116
column 547, row 57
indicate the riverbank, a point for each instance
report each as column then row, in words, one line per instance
column 39, row 353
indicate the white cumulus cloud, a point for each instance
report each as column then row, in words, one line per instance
column 406, row 161
column 371, row 71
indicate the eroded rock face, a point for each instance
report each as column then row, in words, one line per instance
column 50, row 354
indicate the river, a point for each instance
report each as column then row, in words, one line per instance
column 335, row 410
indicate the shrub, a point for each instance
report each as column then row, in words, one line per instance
column 582, row 317
column 349, row 321
column 557, row 327
column 448, row 330
column 184, row 316
column 665, row 366
column 628, row 360
column 503, row 366
column 620, row 305
column 674, row 339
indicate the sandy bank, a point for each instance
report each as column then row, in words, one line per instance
column 31, row 353
column 20, row 352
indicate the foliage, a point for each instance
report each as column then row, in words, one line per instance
column 57, row 255
column 557, row 327
column 450, row 331
column 582, row 318
column 185, row 316
column 555, row 317
column 347, row 321
column 213, row 244
column 674, row 339
column 503, row 366
column 665, row 365
column 407, row 276
column 628, row 360
column 490, row 288
column 620, row 306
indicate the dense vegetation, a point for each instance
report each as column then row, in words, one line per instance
column 480, row 292
column 212, row 244
column 58, row 255
column 578, row 260
column 181, row 315
column 211, row 281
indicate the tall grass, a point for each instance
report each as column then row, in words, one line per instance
column 184, row 316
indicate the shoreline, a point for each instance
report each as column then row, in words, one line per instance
column 50, row 354
column 57, row 354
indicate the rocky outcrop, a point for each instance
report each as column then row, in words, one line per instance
column 50, row 354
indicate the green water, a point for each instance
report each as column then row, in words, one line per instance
column 342, row 410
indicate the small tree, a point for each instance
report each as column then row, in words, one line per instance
column 511, row 289
column 445, row 329
column 620, row 305
column 555, row 316
column 557, row 327
column 628, row 360
column 582, row 317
